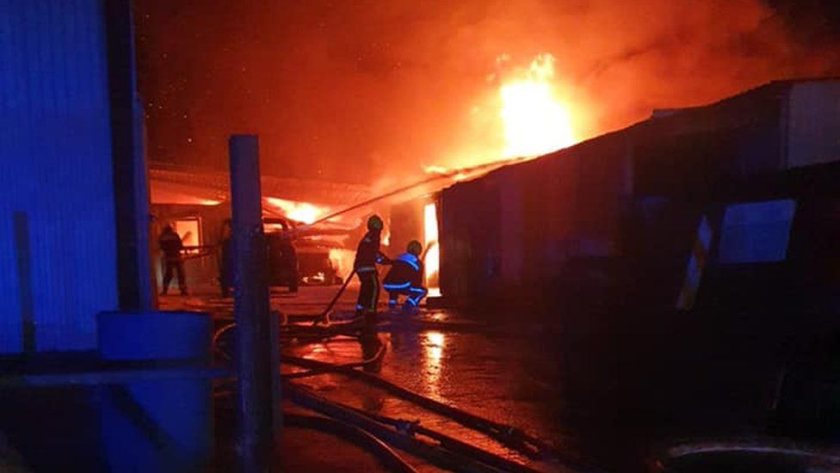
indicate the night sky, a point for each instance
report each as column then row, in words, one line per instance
column 361, row 91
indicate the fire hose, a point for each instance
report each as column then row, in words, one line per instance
column 450, row 443
column 386, row 428
column 376, row 433
column 343, row 430
column 509, row 436
column 325, row 315
column 360, row 437
column 450, row 452
column 433, row 453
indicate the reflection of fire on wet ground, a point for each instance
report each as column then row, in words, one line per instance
column 463, row 370
column 308, row 300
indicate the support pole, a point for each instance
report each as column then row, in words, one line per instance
column 253, row 356
column 130, row 182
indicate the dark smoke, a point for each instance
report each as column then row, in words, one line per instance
column 357, row 90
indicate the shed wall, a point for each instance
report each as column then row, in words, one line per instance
column 57, row 237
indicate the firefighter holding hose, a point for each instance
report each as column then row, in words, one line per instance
column 173, row 261
column 368, row 256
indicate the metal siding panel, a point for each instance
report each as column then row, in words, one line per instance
column 814, row 124
column 56, row 167
column 11, row 139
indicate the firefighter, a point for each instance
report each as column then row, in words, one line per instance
column 406, row 278
column 368, row 256
column 171, row 246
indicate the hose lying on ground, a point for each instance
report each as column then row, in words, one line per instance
column 391, row 459
column 433, row 453
column 343, row 430
column 372, row 432
column 509, row 436
column 445, row 441
column 355, row 364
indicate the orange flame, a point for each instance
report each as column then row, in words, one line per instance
column 342, row 261
column 432, row 260
column 535, row 121
column 303, row 212
column 528, row 112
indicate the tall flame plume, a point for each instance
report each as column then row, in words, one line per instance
column 535, row 120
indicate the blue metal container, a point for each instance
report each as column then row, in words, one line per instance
column 157, row 425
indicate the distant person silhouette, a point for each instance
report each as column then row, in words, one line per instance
column 171, row 246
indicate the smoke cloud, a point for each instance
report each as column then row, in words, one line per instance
column 368, row 90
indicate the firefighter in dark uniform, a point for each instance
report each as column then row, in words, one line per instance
column 368, row 256
column 171, row 246
column 406, row 278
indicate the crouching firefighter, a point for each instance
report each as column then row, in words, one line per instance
column 406, row 278
column 368, row 256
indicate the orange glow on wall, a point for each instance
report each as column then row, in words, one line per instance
column 432, row 257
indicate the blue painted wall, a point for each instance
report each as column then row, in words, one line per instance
column 55, row 174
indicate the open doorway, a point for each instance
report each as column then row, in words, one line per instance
column 431, row 258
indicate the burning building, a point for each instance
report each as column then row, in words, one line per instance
column 196, row 203
column 746, row 166
column 695, row 250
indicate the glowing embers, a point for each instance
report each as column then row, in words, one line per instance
column 535, row 121
column 303, row 212
column 432, row 256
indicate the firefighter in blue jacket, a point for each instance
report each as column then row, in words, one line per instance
column 406, row 278
column 368, row 256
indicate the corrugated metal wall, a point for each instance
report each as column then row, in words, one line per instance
column 515, row 229
column 470, row 230
column 57, row 238
column 512, row 231
column 813, row 124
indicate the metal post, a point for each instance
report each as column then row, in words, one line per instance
column 253, row 357
column 130, row 181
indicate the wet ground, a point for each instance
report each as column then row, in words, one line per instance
column 612, row 396
column 518, row 374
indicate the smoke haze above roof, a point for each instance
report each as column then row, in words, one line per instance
column 358, row 90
